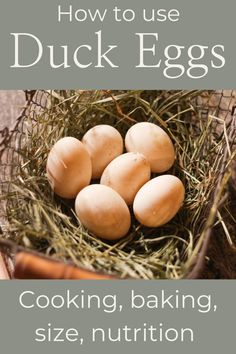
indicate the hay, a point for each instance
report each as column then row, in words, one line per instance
column 41, row 221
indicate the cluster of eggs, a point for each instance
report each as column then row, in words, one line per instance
column 125, row 178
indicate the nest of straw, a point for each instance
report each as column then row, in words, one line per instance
column 39, row 220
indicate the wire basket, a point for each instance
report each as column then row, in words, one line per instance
column 197, row 106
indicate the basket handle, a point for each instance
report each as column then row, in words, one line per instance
column 30, row 266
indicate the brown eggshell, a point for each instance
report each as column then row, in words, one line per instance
column 69, row 167
column 159, row 200
column 127, row 174
column 153, row 142
column 103, row 212
column 104, row 143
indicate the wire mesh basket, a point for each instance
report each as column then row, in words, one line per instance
column 201, row 109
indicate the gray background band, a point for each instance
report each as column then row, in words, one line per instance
column 214, row 332
column 201, row 22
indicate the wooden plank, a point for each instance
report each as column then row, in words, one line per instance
column 11, row 103
column 3, row 270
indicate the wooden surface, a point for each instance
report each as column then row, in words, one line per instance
column 11, row 103
column 3, row 270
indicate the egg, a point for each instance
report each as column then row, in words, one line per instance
column 154, row 143
column 103, row 212
column 69, row 167
column 104, row 143
column 126, row 174
column 159, row 200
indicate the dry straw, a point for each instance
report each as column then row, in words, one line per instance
column 41, row 221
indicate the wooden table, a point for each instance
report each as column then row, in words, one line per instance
column 11, row 103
